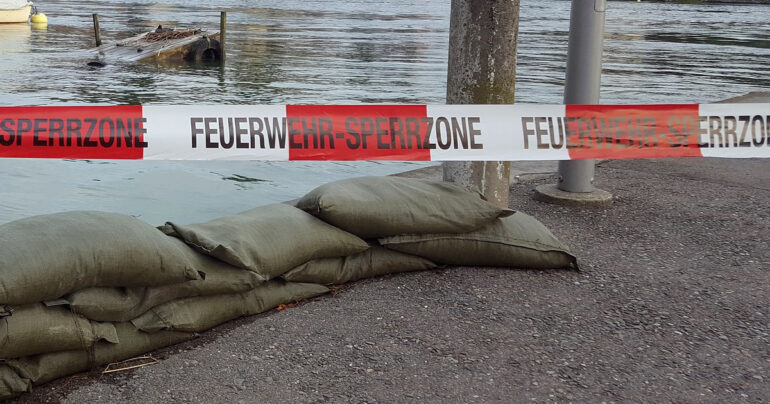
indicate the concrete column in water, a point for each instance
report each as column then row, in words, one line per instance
column 482, row 70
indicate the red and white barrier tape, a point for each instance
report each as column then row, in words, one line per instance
column 386, row 132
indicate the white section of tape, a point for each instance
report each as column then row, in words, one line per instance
column 734, row 130
column 221, row 132
column 495, row 131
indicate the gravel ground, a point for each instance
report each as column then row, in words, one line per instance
column 670, row 306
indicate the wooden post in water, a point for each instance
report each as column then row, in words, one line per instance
column 222, row 35
column 482, row 70
column 97, row 35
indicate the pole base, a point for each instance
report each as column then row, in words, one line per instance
column 550, row 193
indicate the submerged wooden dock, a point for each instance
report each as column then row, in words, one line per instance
column 163, row 45
column 184, row 45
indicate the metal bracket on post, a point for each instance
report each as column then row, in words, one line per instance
column 582, row 84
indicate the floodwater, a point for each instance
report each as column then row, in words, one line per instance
column 330, row 51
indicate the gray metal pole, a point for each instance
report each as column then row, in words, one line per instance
column 584, row 71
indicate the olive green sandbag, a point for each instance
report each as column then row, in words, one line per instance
column 373, row 262
column 125, row 304
column 34, row 329
column 197, row 314
column 46, row 367
column 372, row 207
column 11, row 384
column 45, row 257
column 518, row 241
column 269, row 240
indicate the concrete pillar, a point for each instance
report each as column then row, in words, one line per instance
column 482, row 70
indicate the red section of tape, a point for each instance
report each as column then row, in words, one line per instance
column 639, row 131
column 105, row 132
column 357, row 132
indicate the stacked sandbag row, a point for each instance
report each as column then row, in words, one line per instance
column 54, row 256
column 87, row 288
column 82, row 289
column 435, row 221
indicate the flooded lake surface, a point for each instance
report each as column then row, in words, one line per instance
column 330, row 51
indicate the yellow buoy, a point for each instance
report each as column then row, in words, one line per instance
column 38, row 19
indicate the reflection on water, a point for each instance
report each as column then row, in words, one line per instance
column 379, row 51
column 706, row 39
column 15, row 38
column 330, row 51
column 15, row 31
column 653, row 52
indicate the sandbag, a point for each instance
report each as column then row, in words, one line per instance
column 34, row 329
column 373, row 262
column 44, row 368
column 11, row 384
column 125, row 304
column 518, row 241
column 269, row 240
column 45, row 257
column 197, row 314
column 372, row 207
